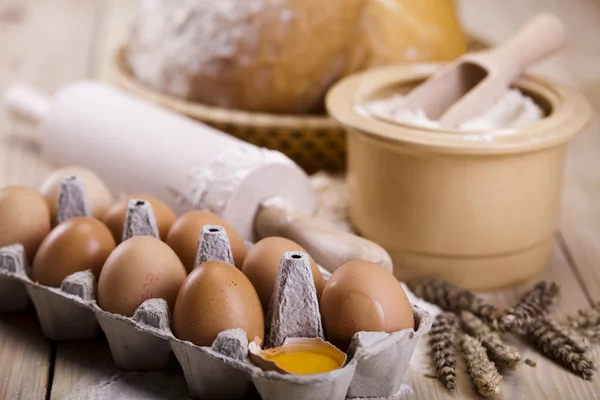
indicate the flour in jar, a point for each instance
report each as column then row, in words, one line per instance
column 511, row 110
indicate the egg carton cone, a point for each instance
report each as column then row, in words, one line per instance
column 293, row 310
column 72, row 201
column 140, row 342
column 65, row 313
column 221, row 371
column 13, row 294
column 139, row 220
column 385, row 358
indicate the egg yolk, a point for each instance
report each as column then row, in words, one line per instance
column 305, row 363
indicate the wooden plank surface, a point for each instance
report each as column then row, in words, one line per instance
column 79, row 366
column 51, row 43
column 85, row 371
column 25, row 358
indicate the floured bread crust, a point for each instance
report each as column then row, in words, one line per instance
column 276, row 56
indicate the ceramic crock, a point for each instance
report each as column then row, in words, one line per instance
column 478, row 209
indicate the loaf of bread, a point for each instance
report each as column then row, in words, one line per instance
column 276, row 56
column 280, row 56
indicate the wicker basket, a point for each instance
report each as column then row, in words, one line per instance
column 314, row 142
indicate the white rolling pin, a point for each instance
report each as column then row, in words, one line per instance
column 138, row 147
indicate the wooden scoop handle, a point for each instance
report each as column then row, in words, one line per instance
column 329, row 247
column 501, row 65
column 538, row 38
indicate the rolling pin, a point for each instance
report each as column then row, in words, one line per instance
column 138, row 147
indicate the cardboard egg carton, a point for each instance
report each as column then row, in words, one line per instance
column 375, row 369
column 65, row 313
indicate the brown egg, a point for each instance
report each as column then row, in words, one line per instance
column 362, row 296
column 262, row 264
column 98, row 196
column 24, row 218
column 215, row 297
column 78, row 244
column 139, row 269
column 185, row 233
column 115, row 216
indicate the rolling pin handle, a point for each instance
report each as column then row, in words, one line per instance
column 330, row 247
column 26, row 102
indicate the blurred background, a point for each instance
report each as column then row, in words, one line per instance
column 50, row 43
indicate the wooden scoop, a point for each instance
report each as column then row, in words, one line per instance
column 464, row 88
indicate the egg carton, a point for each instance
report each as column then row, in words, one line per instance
column 145, row 341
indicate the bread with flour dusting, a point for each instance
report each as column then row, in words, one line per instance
column 276, row 56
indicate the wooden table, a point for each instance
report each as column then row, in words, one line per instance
column 50, row 43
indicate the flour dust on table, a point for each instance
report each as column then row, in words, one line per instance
column 155, row 385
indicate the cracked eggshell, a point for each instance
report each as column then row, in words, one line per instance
column 78, row 244
column 64, row 313
column 116, row 214
column 262, row 264
column 216, row 297
column 185, row 233
column 267, row 359
column 385, row 359
column 139, row 269
column 24, row 218
column 362, row 296
column 98, row 196
column 331, row 385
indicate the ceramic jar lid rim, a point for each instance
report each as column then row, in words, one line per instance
column 570, row 112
